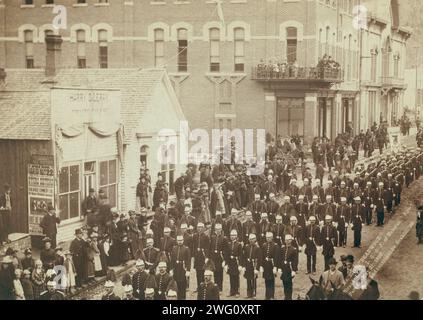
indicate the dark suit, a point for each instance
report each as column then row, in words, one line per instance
column 233, row 259
column 287, row 261
column 5, row 218
column 180, row 263
column 49, row 226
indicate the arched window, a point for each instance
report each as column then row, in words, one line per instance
column 29, row 49
column 291, row 44
column 214, row 50
column 103, row 48
column 239, row 49
column 159, row 47
column 182, row 50
column 80, row 47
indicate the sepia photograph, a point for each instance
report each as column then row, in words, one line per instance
column 233, row 151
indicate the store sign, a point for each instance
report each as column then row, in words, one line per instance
column 74, row 107
column 40, row 190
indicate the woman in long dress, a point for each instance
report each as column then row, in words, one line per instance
column 38, row 278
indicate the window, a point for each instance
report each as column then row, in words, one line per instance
column 69, row 192
column 81, row 1
column 108, row 180
column 182, row 50
column 29, row 49
column 214, row 50
column 291, row 44
column 167, row 170
column 159, row 47
column 103, row 48
column 81, row 57
column 89, row 177
column 239, row 39
column 49, row 1
column 28, row 2
column 144, row 156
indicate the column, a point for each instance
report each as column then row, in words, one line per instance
column 310, row 117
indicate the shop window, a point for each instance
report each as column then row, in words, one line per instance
column 69, row 192
column 108, row 180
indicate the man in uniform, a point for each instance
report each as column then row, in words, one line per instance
column 109, row 295
column 301, row 209
column 312, row 240
column 268, row 265
column 208, row 290
column 249, row 226
column 342, row 220
column 390, row 190
column 367, row 198
column 200, row 251
column 162, row 280
column 293, row 191
column 287, row 264
column 328, row 209
column 233, row 223
column 52, row 293
column 129, row 293
column 233, row 262
column 279, row 230
column 264, row 226
column 251, row 265
column 257, row 207
column 138, row 280
column 318, row 191
column 315, row 209
column 151, row 254
column 272, row 207
column 166, row 244
column 218, row 247
column 379, row 204
column 357, row 221
column 306, row 190
column 328, row 236
column 285, row 210
column 180, row 266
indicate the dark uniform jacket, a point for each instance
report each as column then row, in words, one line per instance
column 343, row 217
column 279, row 233
column 180, row 262
column 166, row 245
column 284, row 211
column 151, row 255
column 232, row 224
column 287, row 261
column 251, row 260
column 269, row 254
column 49, row 224
column 218, row 247
column 311, row 239
column 314, row 210
column 200, row 249
column 247, row 228
column 55, row 295
column 162, row 281
column 301, row 210
column 328, row 235
column 233, row 257
column 110, row 297
column 357, row 216
column 208, row 291
column 138, row 284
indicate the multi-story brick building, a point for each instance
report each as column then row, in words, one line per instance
column 212, row 61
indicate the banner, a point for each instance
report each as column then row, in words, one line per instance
column 40, row 190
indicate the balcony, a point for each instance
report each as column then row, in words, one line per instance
column 317, row 76
column 390, row 83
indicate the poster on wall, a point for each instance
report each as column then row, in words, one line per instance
column 40, row 190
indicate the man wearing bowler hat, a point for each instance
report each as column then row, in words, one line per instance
column 332, row 279
column 49, row 224
column 78, row 248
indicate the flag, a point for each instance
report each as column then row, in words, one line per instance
column 220, row 11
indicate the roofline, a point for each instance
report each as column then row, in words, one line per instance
column 83, row 88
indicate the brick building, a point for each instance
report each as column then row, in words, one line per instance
column 212, row 63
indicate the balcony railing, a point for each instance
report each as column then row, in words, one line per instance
column 393, row 82
column 314, row 74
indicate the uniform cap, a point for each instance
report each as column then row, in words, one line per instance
column 278, row 217
column 149, row 291
column 139, row 263
column 293, row 218
column 208, row 273
column 180, row 237
column 234, row 232
column 328, row 217
column 342, row 182
column 286, row 198
column 184, row 226
column 252, row 236
column 312, row 218
column 288, row 237
column 368, row 183
column 343, row 199
column 248, row 213
column 200, row 224
column 269, row 234
column 218, row 226
column 315, row 197
column 172, row 293
column 128, row 288
column 257, row 196
column 109, row 284
column 301, row 197
column 264, row 215
column 380, row 183
column 234, row 211
column 162, row 264
column 357, row 198
column 328, row 196
column 166, row 229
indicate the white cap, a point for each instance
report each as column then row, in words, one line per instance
column 180, row 237
column 256, row 196
column 218, row 226
column 51, row 283
column 278, row 217
column 109, row 284
column 379, row 174
column 342, row 182
column 128, row 288
column 172, row 293
column 248, row 213
column 233, row 210
column 139, row 263
column 315, row 197
column 149, row 231
column 288, row 237
column 208, row 273
column 264, row 215
column 301, row 197
column 150, row 240
column 200, row 224
column 184, row 226
column 381, row 183
column 286, row 198
column 293, row 218
column 218, row 213
column 369, row 183
column 328, row 196
column 328, row 217
column 252, row 236
column 355, row 184
column 269, row 234
column 166, row 229
column 306, row 179
column 271, row 195
column 234, row 232
column 149, row 290
column 343, row 199
column 162, row 264
column 330, row 182
column 312, row 218
column 357, row 198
